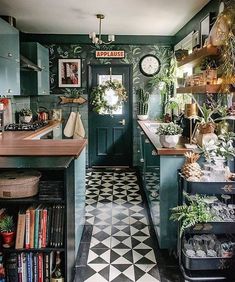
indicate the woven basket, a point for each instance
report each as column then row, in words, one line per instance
column 207, row 128
column 19, row 183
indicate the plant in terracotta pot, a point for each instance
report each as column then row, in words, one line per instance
column 7, row 229
column 169, row 134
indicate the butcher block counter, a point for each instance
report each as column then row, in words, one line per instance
column 21, row 143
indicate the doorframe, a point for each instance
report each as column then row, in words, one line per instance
column 130, row 97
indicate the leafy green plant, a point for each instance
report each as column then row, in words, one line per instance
column 210, row 62
column 169, row 129
column 143, row 98
column 25, row 112
column 7, row 224
column 195, row 211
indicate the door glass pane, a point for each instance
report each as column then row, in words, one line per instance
column 110, row 96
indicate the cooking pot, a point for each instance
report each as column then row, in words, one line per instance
column 43, row 114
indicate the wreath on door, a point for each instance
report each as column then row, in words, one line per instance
column 99, row 101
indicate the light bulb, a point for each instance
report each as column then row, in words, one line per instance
column 111, row 37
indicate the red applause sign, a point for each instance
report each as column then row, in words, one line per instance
column 110, row 54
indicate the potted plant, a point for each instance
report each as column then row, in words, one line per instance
column 169, row 134
column 142, row 104
column 7, row 229
column 25, row 115
column 196, row 211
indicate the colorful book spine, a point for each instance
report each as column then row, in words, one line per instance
column 27, row 229
column 19, row 260
column 32, row 228
column 29, row 267
column 20, row 231
column 44, row 227
column 40, row 267
column 35, row 267
column 36, row 227
column 46, row 267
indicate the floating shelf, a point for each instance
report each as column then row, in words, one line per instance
column 194, row 59
column 213, row 88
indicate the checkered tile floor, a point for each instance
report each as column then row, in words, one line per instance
column 116, row 244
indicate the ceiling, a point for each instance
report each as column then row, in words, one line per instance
column 122, row 17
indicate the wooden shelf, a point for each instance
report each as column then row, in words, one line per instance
column 213, row 88
column 195, row 58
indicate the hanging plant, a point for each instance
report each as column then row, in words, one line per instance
column 108, row 97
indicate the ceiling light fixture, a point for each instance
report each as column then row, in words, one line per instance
column 96, row 39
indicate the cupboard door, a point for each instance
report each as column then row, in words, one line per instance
column 9, row 77
column 9, row 38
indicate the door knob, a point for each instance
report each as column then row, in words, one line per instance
column 122, row 122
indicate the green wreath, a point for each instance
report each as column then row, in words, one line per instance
column 98, row 101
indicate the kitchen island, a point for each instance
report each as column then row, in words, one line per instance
column 62, row 167
column 159, row 168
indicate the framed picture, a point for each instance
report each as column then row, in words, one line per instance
column 195, row 40
column 69, row 71
column 205, row 27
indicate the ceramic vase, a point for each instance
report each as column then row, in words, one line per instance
column 169, row 141
column 8, row 238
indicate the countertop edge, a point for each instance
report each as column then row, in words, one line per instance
column 179, row 150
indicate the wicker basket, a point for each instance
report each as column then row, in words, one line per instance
column 19, row 183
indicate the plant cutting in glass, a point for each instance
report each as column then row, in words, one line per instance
column 108, row 97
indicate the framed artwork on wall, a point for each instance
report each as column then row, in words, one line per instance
column 69, row 72
column 205, row 26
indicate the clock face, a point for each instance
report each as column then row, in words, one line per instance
column 149, row 65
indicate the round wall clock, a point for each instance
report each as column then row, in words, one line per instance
column 149, row 65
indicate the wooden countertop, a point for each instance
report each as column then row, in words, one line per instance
column 19, row 143
column 154, row 139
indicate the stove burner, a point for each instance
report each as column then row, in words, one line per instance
column 25, row 126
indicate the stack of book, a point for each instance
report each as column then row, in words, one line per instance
column 40, row 227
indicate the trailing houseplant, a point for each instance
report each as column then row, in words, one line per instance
column 99, row 100
column 142, row 104
column 195, row 211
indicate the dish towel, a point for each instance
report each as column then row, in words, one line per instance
column 79, row 131
column 70, row 125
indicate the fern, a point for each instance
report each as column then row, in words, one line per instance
column 196, row 211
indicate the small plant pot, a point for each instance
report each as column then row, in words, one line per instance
column 142, row 117
column 25, row 119
column 169, row 141
column 8, row 238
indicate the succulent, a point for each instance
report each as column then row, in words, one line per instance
column 7, row 224
column 25, row 112
column 143, row 98
column 169, row 129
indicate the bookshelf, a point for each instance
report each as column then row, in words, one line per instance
column 62, row 186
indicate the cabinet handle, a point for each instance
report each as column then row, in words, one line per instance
column 154, row 153
column 9, row 91
column 142, row 160
column 138, row 151
column 141, row 133
column 146, row 141
column 9, row 54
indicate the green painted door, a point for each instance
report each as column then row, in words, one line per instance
column 110, row 137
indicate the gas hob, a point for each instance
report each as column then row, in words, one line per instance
column 25, row 126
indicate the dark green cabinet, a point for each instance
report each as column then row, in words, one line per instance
column 9, row 60
column 35, row 82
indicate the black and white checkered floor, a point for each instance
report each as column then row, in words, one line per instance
column 116, row 244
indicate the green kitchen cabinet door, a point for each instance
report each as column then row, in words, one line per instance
column 35, row 82
column 9, row 77
column 9, row 38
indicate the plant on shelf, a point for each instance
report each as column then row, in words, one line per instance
column 169, row 134
column 7, row 229
column 108, row 97
column 209, row 62
column 142, row 104
column 195, row 211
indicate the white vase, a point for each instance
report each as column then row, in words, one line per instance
column 169, row 141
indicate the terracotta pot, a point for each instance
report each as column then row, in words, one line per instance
column 208, row 127
column 8, row 238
